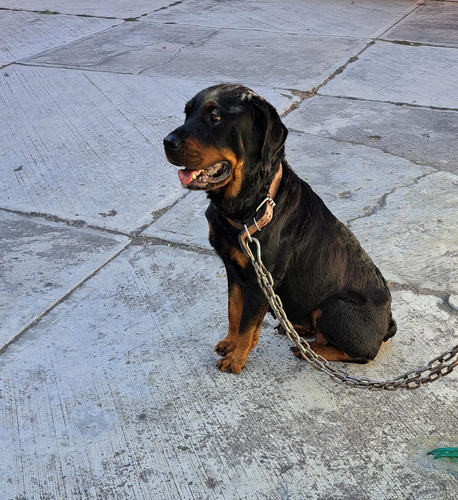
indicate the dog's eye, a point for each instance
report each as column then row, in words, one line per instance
column 215, row 117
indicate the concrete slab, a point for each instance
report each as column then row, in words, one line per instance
column 212, row 54
column 353, row 19
column 87, row 146
column 435, row 23
column 422, row 135
column 114, row 8
column 401, row 74
column 132, row 405
column 413, row 236
column 40, row 263
column 352, row 180
column 23, row 34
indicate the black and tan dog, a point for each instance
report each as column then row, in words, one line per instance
column 232, row 146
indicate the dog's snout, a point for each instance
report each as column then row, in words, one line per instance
column 172, row 141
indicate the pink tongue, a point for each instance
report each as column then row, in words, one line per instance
column 185, row 175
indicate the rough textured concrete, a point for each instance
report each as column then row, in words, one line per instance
column 41, row 261
column 23, row 34
column 421, row 135
column 92, row 145
column 399, row 73
column 421, row 240
column 111, row 299
column 123, row 400
column 435, row 24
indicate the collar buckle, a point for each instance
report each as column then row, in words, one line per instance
column 268, row 200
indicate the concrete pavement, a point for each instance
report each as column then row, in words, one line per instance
column 111, row 300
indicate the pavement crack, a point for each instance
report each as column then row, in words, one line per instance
column 193, row 43
column 341, row 68
column 371, row 210
column 166, row 7
column 410, row 10
column 394, row 103
column 415, row 44
column 307, row 94
column 358, row 143
column 301, row 95
column 77, row 223
column 443, row 296
column 381, row 202
column 143, row 240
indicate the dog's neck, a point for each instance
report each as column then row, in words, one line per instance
column 252, row 201
column 264, row 211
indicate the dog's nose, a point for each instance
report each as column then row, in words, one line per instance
column 172, row 141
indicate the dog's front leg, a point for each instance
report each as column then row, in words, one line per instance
column 247, row 308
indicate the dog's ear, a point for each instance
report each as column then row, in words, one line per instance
column 273, row 132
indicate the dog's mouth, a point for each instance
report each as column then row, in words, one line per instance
column 207, row 178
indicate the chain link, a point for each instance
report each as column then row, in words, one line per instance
column 438, row 367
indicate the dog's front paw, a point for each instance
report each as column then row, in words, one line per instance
column 225, row 347
column 231, row 363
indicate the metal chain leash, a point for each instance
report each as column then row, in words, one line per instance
column 438, row 367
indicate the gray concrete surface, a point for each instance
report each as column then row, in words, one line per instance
column 111, row 299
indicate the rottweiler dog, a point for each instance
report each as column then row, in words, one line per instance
column 232, row 145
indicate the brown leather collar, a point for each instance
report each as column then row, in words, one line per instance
column 258, row 224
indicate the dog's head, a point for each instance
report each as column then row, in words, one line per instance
column 230, row 133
